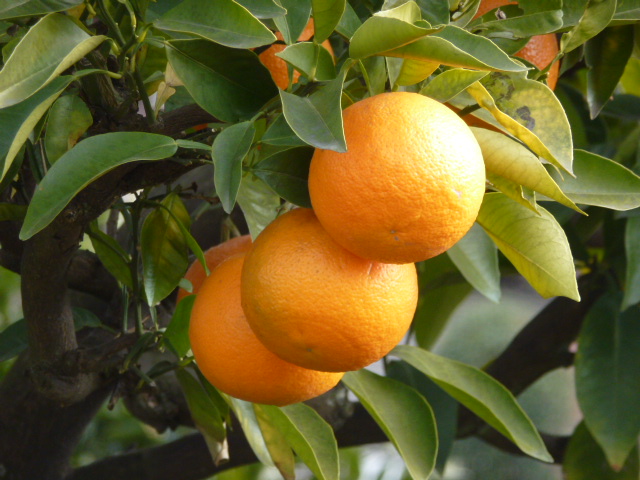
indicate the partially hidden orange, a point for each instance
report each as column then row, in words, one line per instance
column 540, row 50
column 231, row 357
column 410, row 185
column 317, row 305
column 213, row 257
column 277, row 66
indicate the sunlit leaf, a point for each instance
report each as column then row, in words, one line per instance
column 263, row 8
column 326, row 15
column 310, row 58
column 597, row 15
column 30, row 8
column 534, row 243
column 295, row 21
column 258, row 202
column 450, row 83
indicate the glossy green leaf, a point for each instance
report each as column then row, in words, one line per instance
column 476, row 256
column 30, row 8
column 514, row 191
column 415, row 71
column 263, row 8
column 164, row 249
column 295, row 21
column 48, row 49
column 224, row 21
column 68, row 119
column 88, row 160
column 632, row 251
column 114, row 258
column 177, row 332
column 374, row 71
column 287, row 173
column 228, row 150
column 450, row 83
column 279, row 133
column 435, row 12
column 349, row 22
column 601, row 182
column 18, row 121
column 509, row 159
column 279, row 450
column 535, row 244
column 442, row 290
column 246, row 415
column 531, row 112
column 388, row 401
column 310, row 58
column 204, row 412
column 229, row 83
column 258, row 202
column 585, row 460
column 606, row 55
column 317, row 119
column 481, row 394
column 326, row 16
column 596, row 17
column 451, row 46
column 310, row 437
column 608, row 376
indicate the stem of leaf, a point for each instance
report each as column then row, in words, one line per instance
column 111, row 23
column 148, row 109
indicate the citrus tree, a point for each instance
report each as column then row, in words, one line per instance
column 136, row 134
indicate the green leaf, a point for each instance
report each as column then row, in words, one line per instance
column 531, row 112
column 600, row 182
column 13, row 340
column 263, row 8
column 12, row 212
column 481, row 394
column 192, row 145
column 287, row 173
column 456, row 47
column 509, row 159
column 229, row 83
column 606, row 56
column 450, row 83
column 312, row 59
column 246, row 415
column 388, row 401
column 476, row 256
column 584, row 460
column 326, row 16
column 632, row 251
column 514, row 191
column 48, row 49
column 349, row 22
column 112, row 255
column 68, row 119
column 280, row 133
column 177, row 332
column 164, row 249
column 18, row 121
column 295, row 21
column 608, row 376
column 279, row 450
column 31, row 8
column 85, row 162
column 258, row 202
column 317, row 119
column 310, row 437
column 228, row 150
column 224, row 21
column 204, row 412
column 535, row 244
column 596, row 17
column 415, row 71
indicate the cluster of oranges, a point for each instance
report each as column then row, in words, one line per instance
column 331, row 289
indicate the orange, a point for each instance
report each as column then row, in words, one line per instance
column 409, row 186
column 540, row 50
column 214, row 256
column 231, row 357
column 317, row 305
column 277, row 66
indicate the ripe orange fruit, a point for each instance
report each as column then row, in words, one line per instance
column 540, row 50
column 317, row 305
column 231, row 357
column 214, row 256
column 277, row 66
column 409, row 186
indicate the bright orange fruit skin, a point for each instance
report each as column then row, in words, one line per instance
column 214, row 256
column 233, row 359
column 540, row 50
column 410, row 185
column 277, row 66
column 317, row 305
